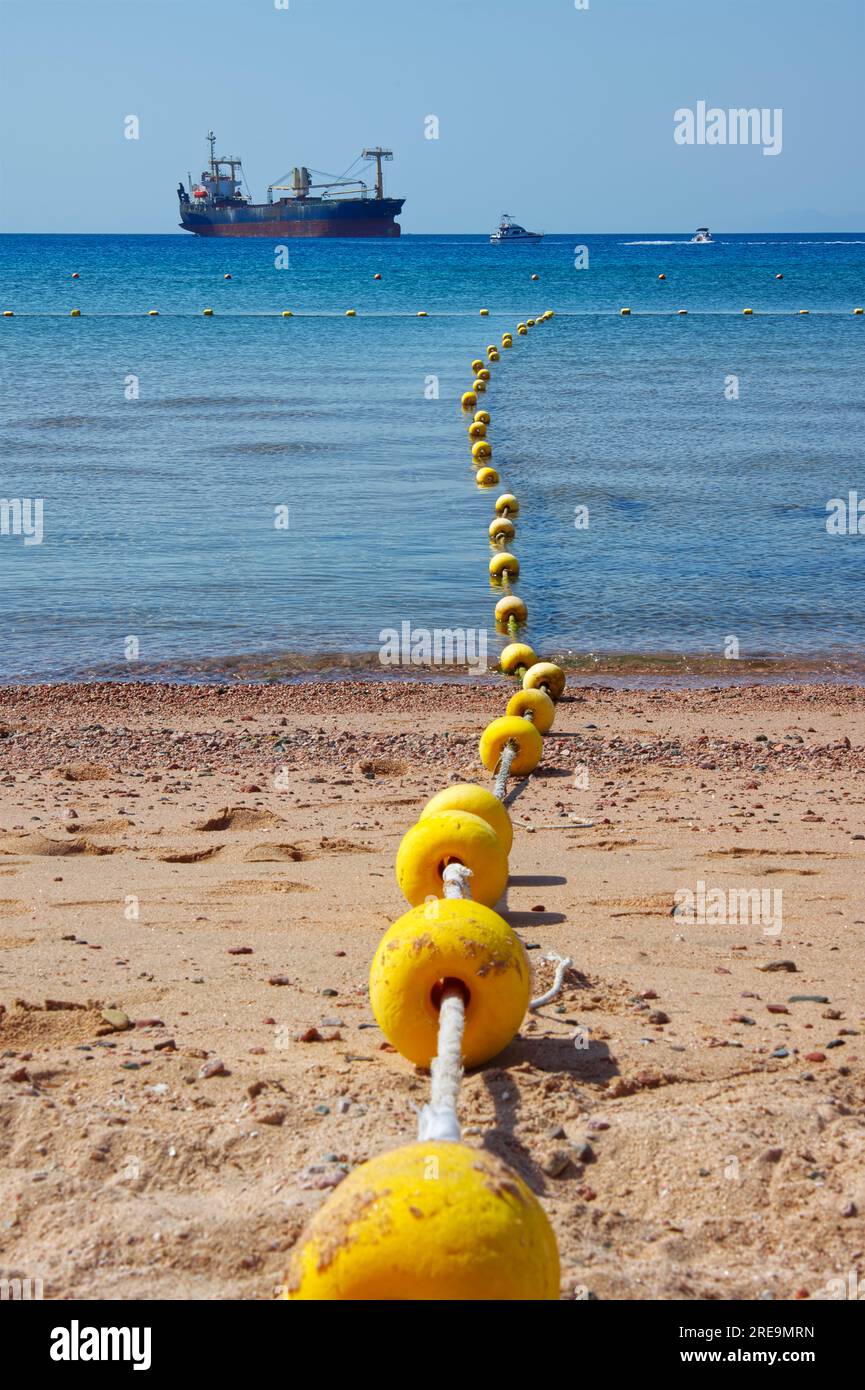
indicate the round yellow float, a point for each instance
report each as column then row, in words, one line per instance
column 468, row 400
column 500, row 528
column 859, row 311
column 482, row 449
column 522, row 331
column 76, row 313
column 624, row 311
column 479, row 384
column 507, row 503
column 208, row 313
column 504, row 564
column 484, row 374
column 483, row 417
column 511, row 607
column 494, row 355
column 477, row 430
column 511, row 729
column 391, row 1232
column 422, row 313
column 747, row 311
column 8, row 313
column 545, row 674
column 530, row 323
column 484, row 313
column 536, row 702
column 462, row 941
column 487, row 477
column 476, row 365
column 468, row 796
column 516, row 654
column 446, row 838
column 287, row 314
column 351, row 313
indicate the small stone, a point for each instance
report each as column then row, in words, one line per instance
column 808, row 999
column 777, row 1008
column 169, row 1045
column 789, row 965
column 659, row 1017
column 279, row 980
column 240, row 950
column 584, row 1153
column 311, row 1035
column 273, row 1117
column 214, row 1067
column 556, row 1162
column 596, row 1126
column 22, row 1074
column 815, row 1057
column 330, row 993
column 322, row 1110
column 556, row 1132
column 781, row 1052
column 849, row 1209
column 836, row 1042
column 116, row 1019
column 773, row 1155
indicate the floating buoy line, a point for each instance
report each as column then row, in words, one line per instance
column 522, row 328
column 450, row 986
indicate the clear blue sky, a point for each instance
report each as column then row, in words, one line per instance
column 564, row 117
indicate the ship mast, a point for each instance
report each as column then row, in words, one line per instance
column 378, row 154
column 211, row 140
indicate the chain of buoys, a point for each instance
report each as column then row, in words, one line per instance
column 449, row 987
column 507, row 338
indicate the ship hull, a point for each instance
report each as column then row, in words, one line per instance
column 312, row 217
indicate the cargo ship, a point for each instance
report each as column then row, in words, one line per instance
column 215, row 206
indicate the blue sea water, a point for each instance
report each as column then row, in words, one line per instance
column 707, row 515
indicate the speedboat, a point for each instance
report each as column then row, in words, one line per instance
column 701, row 235
column 510, row 231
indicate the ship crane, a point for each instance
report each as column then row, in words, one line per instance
column 378, row 154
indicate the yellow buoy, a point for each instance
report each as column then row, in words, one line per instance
column 624, row 311
column 494, row 356
column 430, row 1222
column 859, row 311
column 549, row 314
column 545, row 675
column 522, row 331
column 447, row 838
column 422, row 314
column 153, row 313
column 476, row 365
column 483, row 417
column 76, row 313
column 515, row 655
column 519, row 326
column 747, row 311
column 479, row 385
column 454, row 940
column 536, row 702
column 804, row 311
column 351, row 313
column 208, row 313
column 482, row 449
column 487, row 477
column 530, row 323
column 8, row 313
column 287, row 314
column 511, row 729
column 503, row 565
column 501, row 528
column 484, row 374
column 681, row 311
column 536, row 277
column 226, row 277
column 468, row 796
column 469, row 400
column 477, row 430
column 484, row 313
column 507, row 503
column 511, row 607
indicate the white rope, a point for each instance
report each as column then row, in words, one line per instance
column 456, row 880
column 439, row 1119
column 556, row 987
column 509, row 752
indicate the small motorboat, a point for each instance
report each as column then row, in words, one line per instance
column 511, row 232
column 701, row 236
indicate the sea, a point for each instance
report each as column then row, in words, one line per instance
column 252, row 496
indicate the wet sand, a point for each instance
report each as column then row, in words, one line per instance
column 216, row 864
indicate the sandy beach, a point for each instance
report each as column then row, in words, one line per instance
column 194, row 881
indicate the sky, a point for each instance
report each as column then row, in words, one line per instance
column 561, row 114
